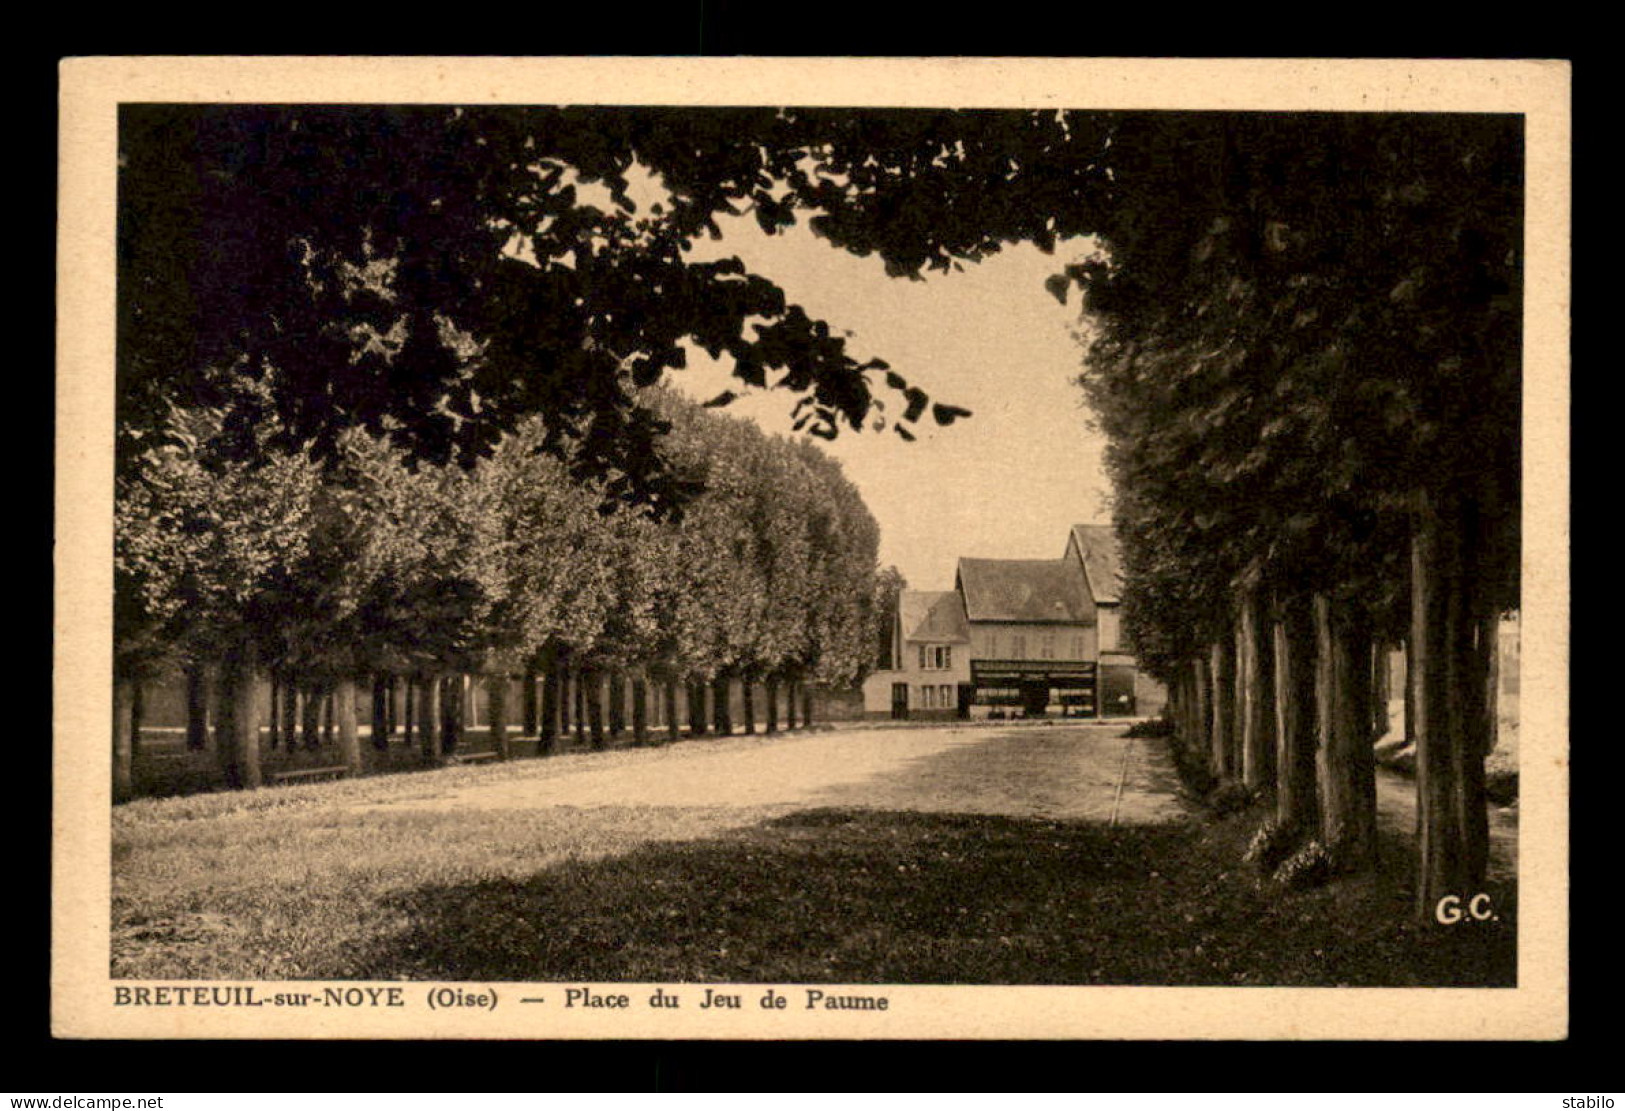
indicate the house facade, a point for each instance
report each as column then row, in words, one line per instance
column 930, row 659
column 1124, row 690
column 1017, row 638
column 1033, row 638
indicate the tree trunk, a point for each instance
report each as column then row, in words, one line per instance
column 772, row 705
column 223, row 718
column 593, row 682
column 1255, row 658
column 277, row 683
column 411, row 701
column 671, row 711
column 1344, row 761
column 790, row 705
column 1297, row 805
column 311, row 716
column 123, row 756
column 392, row 714
column 197, row 709
column 1451, row 643
column 1471, row 687
column 429, row 719
column 1187, row 720
column 1223, row 708
column 578, row 681
column 640, row 710
column 496, row 689
column 451, row 715
column 1174, row 709
column 696, row 708
column 1202, row 708
column 551, row 704
column 806, row 706
column 380, row 712
column 1201, row 737
column 722, row 712
column 1409, row 695
column 138, row 713
column 1379, row 691
column 349, row 734
column 532, row 704
column 617, row 703
column 290, row 720
column 239, row 743
column 1492, row 687
column 1179, row 702
column 327, row 713
column 748, row 688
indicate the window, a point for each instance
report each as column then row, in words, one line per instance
column 923, row 664
column 1018, row 648
column 945, row 696
column 936, row 657
column 1047, row 648
column 928, row 698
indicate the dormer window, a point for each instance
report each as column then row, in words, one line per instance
column 936, row 657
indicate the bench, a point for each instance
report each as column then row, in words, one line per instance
column 312, row 774
column 472, row 757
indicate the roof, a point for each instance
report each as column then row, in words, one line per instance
column 1036, row 590
column 933, row 615
column 1102, row 561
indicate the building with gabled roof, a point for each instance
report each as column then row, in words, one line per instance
column 1033, row 637
column 930, row 658
column 1017, row 638
column 1123, row 688
column 1096, row 549
column 1024, row 591
column 932, row 615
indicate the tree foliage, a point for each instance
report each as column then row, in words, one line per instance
column 369, row 563
column 1296, row 330
column 385, row 382
column 436, row 275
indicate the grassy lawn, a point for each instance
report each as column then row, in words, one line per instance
column 301, row 883
column 164, row 768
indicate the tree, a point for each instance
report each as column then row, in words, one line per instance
column 1328, row 306
column 889, row 587
column 205, row 552
column 438, row 274
column 1305, row 353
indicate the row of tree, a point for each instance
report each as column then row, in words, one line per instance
column 385, row 402
column 323, row 574
column 1307, row 361
column 1305, row 352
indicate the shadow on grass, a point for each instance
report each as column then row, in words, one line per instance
column 872, row 896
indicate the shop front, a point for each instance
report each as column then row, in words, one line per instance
column 1033, row 688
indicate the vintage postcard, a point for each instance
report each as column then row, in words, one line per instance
column 611, row 548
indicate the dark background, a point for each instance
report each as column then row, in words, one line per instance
column 36, row 1064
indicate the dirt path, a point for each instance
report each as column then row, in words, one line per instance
column 1396, row 809
column 1079, row 772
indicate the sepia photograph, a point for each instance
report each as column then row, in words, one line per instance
column 812, row 548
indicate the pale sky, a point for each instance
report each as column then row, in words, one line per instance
column 1006, row 482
